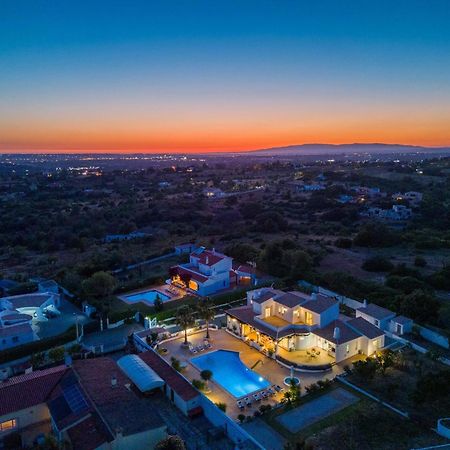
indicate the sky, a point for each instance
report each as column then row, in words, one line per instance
column 216, row 75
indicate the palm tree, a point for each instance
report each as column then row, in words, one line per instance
column 206, row 312
column 185, row 319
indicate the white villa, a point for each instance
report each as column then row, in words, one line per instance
column 207, row 272
column 293, row 323
column 19, row 311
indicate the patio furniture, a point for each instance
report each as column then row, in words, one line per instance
column 240, row 405
column 264, row 394
column 308, row 352
column 257, row 397
column 278, row 388
column 271, row 391
column 247, row 402
column 201, row 348
column 318, row 353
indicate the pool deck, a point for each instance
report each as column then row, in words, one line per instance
column 266, row 367
column 162, row 289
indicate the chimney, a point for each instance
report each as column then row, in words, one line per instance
column 336, row 333
column 313, row 296
column 364, row 303
column 207, row 260
column 113, row 381
column 214, row 250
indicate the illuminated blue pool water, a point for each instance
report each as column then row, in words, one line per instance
column 147, row 297
column 230, row 372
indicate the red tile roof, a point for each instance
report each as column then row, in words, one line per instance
column 25, row 391
column 194, row 275
column 209, row 258
column 176, row 381
column 89, row 434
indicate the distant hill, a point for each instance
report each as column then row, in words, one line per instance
column 332, row 149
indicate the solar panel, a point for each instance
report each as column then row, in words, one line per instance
column 75, row 398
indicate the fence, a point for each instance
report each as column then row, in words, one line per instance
column 434, row 337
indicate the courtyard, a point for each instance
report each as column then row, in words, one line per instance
column 266, row 367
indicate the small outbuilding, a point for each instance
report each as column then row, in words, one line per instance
column 144, row 377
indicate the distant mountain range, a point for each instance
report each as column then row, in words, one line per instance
column 332, row 149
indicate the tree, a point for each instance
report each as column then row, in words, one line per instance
column 222, row 406
column 241, row 418
column 56, row 354
column 206, row 375
column 171, row 443
column 420, row 306
column 206, row 312
column 385, row 360
column 365, row 369
column 184, row 318
column 158, row 304
column 99, row 285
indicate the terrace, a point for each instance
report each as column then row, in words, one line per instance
column 264, row 366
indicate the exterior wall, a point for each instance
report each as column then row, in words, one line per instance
column 212, row 286
column 383, row 324
column 328, row 316
column 10, row 341
column 147, row 439
column 183, row 405
column 26, row 417
column 349, row 349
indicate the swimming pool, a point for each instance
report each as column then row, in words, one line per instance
column 230, row 372
column 146, row 297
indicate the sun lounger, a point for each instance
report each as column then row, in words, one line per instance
column 263, row 394
column 240, row 404
column 201, row 348
column 257, row 397
column 278, row 388
column 271, row 391
column 207, row 344
column 247, row 402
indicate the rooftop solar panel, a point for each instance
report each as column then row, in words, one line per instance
column 75, row 398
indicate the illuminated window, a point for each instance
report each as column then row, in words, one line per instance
column 347, row 348
column 8, row 425
column 193, row 285
column 308, row 318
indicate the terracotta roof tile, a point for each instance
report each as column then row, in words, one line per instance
column 176, row 381
column 30, row 389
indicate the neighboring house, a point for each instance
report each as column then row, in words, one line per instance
column 35, row 304
column 212, row 192
column 414, row 198
column 245, row 274
column 398, row 212
column 188, row 247
column 207, row 272
column 368, row 192
column 310, row 187
column 97, row 404
column 385, row 319
column 125, row 237
column 295, row 321
column 6, row 286
column 82, row 405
